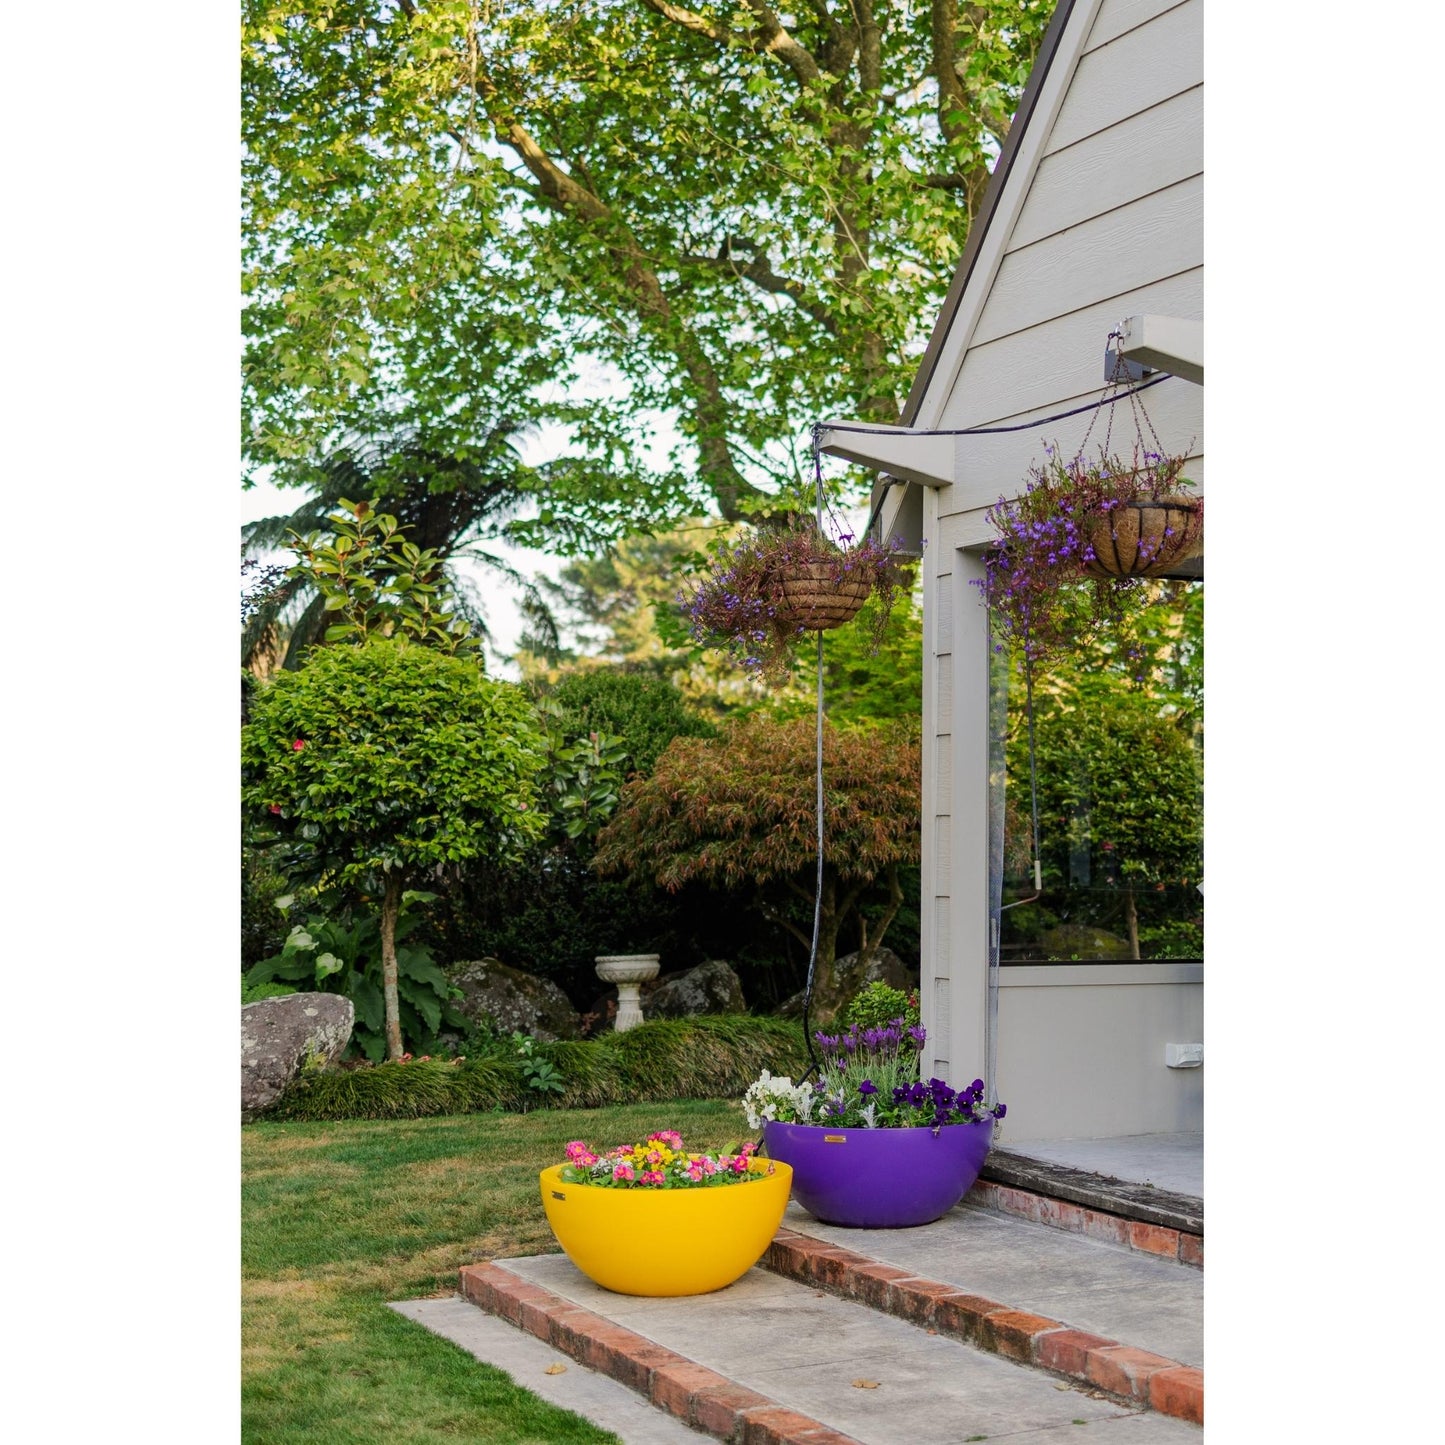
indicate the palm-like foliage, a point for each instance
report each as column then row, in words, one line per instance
column 448, row 501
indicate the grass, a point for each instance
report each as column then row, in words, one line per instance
column 705, row 1057
column 339, row 1218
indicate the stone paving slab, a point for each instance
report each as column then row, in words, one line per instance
column 526, row 1359
column 1139, row 1299
column 804, row 1349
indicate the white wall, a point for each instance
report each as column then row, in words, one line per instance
column 1081, row 1050
column 1102, row 218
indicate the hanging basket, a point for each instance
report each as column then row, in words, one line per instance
column 1131, row 540
column 815, row 599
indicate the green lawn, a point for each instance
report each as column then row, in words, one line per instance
column 339, row 1218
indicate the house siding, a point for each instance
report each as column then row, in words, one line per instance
column 1102, row 217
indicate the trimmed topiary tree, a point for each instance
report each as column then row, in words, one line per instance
column 380, row 765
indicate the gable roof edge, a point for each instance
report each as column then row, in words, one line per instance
column 1048, row 50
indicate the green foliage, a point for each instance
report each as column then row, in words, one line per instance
column 662, row 1060
column 343, row 955
column 1115, row 772
column 743, row 221
column 388, row 759
column 539, row 1074
column 582, row 779
column 263, row 924
column 738, row 812
column 375, row 582
column 645, row 712
column 877, row 1005
column 254, row 993
column 869, row 675
column 739, row 809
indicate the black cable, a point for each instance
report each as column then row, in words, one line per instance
column 969, row 431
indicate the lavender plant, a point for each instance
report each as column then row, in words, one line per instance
column 1036, row 580
column 740, row 604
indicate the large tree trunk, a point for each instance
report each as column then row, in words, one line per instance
column 390, row 907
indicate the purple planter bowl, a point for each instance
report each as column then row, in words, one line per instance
column 879, row 1178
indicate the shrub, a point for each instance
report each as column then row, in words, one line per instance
column 645, row 712
column 664, row 1059
column 342, row 954
column 380, row 765
column 877, row 1005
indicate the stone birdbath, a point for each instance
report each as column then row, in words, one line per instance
column 629, row 971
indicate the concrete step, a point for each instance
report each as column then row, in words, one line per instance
column 1019, row 1311
column 771, row 1361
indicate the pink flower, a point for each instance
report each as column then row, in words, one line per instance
column 670, row 1137
column 575, row 1150
column 652, row 1176
column 298, row 745
column 275, row 807
column 708, row 1167
column 694, row 1171
column 624, row 1174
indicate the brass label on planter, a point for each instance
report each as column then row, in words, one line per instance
column 835, row 1138
column 557, row 1194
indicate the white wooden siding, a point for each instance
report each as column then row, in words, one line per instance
column 1138, row 70
column 1158, row 235
column 1060, row 363
column 1116, row 17
column 1154, row 149
column 1101, row 218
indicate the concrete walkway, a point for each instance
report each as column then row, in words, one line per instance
column 1164, row 1161
column 781, row 1357
column 1138, row 1299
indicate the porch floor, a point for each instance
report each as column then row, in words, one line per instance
column 1166, row 1161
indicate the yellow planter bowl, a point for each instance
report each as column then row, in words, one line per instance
column 667, row 1241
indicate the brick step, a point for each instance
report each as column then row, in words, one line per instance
column 1157, row 1222
column 700, row 1397
column 1137, row 1376
column 1124, row 1199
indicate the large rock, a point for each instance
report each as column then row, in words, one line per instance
column 279, row 1036
column 850, row 974
column 710, row 988
column 1082, row 941
column 513, row 1001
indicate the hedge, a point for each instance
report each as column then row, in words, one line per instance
column 709, row 1057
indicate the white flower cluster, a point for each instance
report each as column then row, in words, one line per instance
column 769, row 1099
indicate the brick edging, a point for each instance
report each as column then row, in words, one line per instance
column 697, row 1395
column 1063, row 1214
column 1135, row 1375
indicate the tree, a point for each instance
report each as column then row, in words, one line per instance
column 748, row 217
column 450, row 504
column 383, row 764
column 737, row 812
column 1119, row 785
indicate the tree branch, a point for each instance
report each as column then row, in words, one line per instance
column 765, row 278
column 566, row 194
column 689, row 19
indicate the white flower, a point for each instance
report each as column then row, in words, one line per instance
column 770, row 1099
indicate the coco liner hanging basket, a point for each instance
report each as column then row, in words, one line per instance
column 1143, row 537
column 814, row 597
